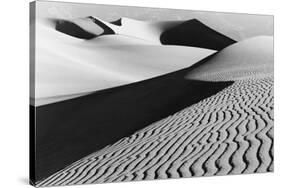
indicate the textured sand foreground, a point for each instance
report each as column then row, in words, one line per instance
column 230, row 132
column 224, row 134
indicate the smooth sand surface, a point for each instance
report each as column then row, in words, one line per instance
column 229, row 132
column 246, row 59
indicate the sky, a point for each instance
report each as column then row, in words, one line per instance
column 235, row 25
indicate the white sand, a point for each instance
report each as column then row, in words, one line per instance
column 246, row 59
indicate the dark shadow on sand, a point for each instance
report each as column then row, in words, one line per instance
column 74, row 30
column 70, row 28
column 195, row 33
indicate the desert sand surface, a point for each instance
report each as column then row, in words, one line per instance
column 104, row 60
column 232, row 63
column 226, row 129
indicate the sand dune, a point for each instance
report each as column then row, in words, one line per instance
column 81, row 66
column 246, row 59
column 184, row 33
column 146, row 30
column 117, row 40
column 227, row 132
column 178, row 32
column 83, row 28
column 195, row 33
column 94, row 54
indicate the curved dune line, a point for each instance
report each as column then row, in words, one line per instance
column 174, row 32
column 247, row 59
column 271, row 153
column 195, row 33
column 230, row 132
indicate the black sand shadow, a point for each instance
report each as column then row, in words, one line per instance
column 74, row 30
column 70, row 28
column 195, row 33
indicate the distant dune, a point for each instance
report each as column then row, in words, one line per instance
column 80, row 28
column 195, row 33
column 186, row 33
column 94, row 54
column 246, row 59
column 227, row 132
column 146, row 30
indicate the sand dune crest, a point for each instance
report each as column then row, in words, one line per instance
column 246, row 59
column 195, row 33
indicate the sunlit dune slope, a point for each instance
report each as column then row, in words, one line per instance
column 246, row 59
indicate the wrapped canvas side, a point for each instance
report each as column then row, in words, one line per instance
column 32, row 129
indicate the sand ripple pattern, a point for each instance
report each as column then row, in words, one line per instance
column 228, row 133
